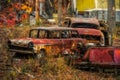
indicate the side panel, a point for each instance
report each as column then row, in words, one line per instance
column 50, row 46
column 55, row 46
column 101, row 55
column 117, row 55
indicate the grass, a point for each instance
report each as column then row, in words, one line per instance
column 53, row 69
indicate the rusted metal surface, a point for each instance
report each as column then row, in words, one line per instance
column 101, row 56
column 87, row 31
column 55, row 42
column 53, row 28
column 84, row 20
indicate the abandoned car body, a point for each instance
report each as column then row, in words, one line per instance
column 92, row 36
column 88, row 29
column 99, row 58
column 51, row 40
column 81, row 22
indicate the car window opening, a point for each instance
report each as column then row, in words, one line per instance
column 84, row 25
column 90, row 37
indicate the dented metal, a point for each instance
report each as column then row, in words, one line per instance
column 88, row 28
column 53, row 41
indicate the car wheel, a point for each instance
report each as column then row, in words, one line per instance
column 69, row 60
column 41, row 57
column 41, row 54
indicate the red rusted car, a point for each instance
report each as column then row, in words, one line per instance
column 99, row 58
column 47, row 40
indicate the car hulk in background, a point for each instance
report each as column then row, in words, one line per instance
column 89, row 28
column 47, row 40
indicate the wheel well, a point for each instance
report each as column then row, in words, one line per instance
column 43, row 50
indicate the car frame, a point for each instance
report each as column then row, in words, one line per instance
column 39, row 46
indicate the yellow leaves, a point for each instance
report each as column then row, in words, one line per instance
column 28, row 9
column 23, row 7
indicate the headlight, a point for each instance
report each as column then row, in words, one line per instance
column 79, row 45
column 90, row 45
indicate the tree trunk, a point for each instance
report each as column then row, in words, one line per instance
column 37, row 11
column 111, row 19
column 59, row 12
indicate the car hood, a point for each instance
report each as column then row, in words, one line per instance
column 20, row 41
column 87, row 31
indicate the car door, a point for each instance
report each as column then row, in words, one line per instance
column 67, row 39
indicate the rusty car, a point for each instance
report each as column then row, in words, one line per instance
column 47, row 40
column 96, row 52
column 98, row 58
column 88, row 28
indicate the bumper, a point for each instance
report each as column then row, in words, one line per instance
column 20, row 49
column 107, row 65
column 94, row 64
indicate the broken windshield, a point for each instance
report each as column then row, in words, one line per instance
column 84, row 25
column 90, row 37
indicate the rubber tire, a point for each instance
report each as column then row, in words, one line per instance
column 41, row 57
column 41, row 54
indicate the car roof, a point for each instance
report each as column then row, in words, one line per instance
column 83, row 20
column 53, row 28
